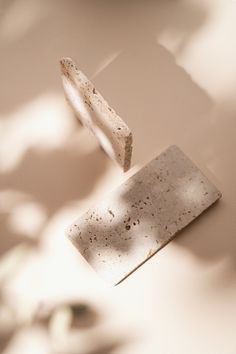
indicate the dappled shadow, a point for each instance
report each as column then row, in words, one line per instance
column 164, row 93
column 9, row 237
column 212, row 239
column 57, row 176
column 154, row 90
column 157, row 100
column 51, row 179
column 80, row 29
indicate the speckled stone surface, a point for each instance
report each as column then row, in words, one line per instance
column 94, row 112
column 142, row 215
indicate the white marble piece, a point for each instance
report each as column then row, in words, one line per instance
column 142, row 215
column 94, row 112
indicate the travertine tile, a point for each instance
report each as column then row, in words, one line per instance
column 94, row 112
column 142, row 215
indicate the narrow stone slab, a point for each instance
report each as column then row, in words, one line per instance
column 142, row 215
column 94, row 112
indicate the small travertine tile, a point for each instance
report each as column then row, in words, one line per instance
column 94, row 112
column 142, row 215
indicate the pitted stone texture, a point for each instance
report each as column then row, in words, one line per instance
column 94, row 112
column 142, row 215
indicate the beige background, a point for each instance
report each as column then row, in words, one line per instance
column 168, row 68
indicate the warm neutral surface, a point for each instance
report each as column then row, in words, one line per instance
column 142, row 215
column 167, row 68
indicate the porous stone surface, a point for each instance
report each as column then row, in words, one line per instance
column 94, row 112
column 142, row 215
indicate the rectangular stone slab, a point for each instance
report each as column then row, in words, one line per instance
column 94, row 112
column 142, row 215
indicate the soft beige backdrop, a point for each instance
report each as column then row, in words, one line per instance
column 168, row 68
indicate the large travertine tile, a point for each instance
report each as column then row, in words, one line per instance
column 142, row 215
